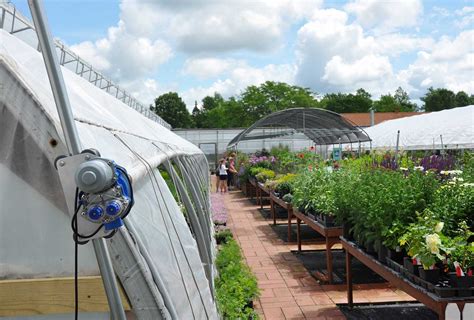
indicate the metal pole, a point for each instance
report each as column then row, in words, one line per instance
column 73, row 144
column 397, row 146
column 442, row 144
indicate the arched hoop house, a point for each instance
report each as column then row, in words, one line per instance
column 322, row 126
column 163, row 258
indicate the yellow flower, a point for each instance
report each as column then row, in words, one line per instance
column 439, row 226
column 433, row 242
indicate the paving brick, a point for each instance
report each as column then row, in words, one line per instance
column 293, row 312
column 273, row 313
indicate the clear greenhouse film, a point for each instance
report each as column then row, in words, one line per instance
column 156, row 257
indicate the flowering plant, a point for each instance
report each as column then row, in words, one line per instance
column 425, row 241
column 463, row 249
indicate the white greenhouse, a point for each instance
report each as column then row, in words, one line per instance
column 163, row 259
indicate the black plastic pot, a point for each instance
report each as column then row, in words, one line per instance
column 382, row 253
column 396, row 256
column 369, row 248
column 444, row 291
column 327, row 220
column 346, row 231
column 431, row 275
column 408, row 264
column 462, row 282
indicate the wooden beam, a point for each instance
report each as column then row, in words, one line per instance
column 27, row 297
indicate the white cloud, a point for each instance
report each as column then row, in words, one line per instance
column 386, row 15
column 367, row 69
column 205, row 68
column 466, row 19
column 394, row 44
column 449, row 64
column 222, row 26
column 123, row 55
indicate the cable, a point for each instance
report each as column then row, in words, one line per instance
column 76, row 284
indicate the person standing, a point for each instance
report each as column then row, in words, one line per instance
column 222, row 176
column 231, row 173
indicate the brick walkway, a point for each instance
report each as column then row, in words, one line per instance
column 288, row 291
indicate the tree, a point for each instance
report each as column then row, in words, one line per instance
column 197, row 116
column 209, row 103
column 344, row 103
column 403, row 100
column 438, row 99
column 387, row 103
column 396, row 103
column 172, row 109
column 462, row 99
column 259, row 101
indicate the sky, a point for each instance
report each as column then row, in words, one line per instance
column 198, row 47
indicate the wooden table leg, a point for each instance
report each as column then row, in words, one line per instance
column 261, row 199
column 329, row 260
column 272, row 208
column 349, row 279
column 298, row 230
column 290, row 216
column 442, row 311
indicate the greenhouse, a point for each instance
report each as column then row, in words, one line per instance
column 106, row 212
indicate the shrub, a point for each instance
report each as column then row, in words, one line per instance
column 265, row 175
column 236, row 286
column 287, row 198
column 224, row 236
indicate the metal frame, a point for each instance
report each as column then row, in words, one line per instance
column 73, row 62
column 322, row 126
column 74, row 145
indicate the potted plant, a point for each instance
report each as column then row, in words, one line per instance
column 462, row 261
column 425, row 244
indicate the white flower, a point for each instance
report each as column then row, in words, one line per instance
column 468, row 184
column 455, row 179
column 444, row 172
column 439, row 226
column 403, row 169
column 433, row 242
column 419, row 168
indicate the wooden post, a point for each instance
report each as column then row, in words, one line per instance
column 349, row 279
column 298, row 231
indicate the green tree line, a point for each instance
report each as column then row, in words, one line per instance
column 256, row 102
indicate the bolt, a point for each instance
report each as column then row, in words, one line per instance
column 83, row 213
column 87, row 157
column 62, row 163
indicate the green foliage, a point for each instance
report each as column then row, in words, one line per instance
column 463, row 247
column 454, row 202
column 396, row 103
column 288, row 198
column 223, row 236
column 424, row 240
column 172, row 109
column 169, row 183
column 236, row 286
column 342, row 102
column 264, row 175
column 253, row 171
column 441, row 98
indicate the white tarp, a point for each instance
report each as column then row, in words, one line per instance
column 35, row 236
column 452, row 128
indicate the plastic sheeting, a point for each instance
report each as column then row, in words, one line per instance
column 448, row 129
column 35, row 236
